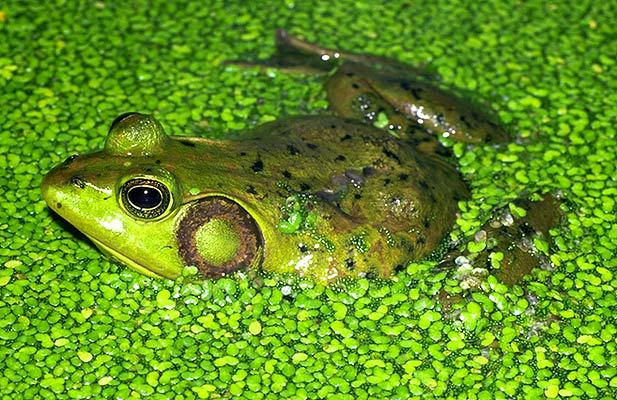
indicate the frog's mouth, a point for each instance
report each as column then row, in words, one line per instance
column 134, row 265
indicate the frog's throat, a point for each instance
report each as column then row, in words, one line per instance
column 124, row 259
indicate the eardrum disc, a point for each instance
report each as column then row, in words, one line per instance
column 218, row 236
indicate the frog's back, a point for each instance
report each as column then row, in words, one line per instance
column 367, row 186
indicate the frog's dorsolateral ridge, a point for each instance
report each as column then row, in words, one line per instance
column 322, row 196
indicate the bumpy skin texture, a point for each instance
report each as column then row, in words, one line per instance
column 361, row 200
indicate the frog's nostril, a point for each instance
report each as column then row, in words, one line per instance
column 77, row 181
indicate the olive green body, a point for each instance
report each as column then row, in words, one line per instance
column 321, row 196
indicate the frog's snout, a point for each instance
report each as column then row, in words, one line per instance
column 51, row 187
column 58, row 185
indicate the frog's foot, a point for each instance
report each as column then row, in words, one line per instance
column 509, row 245
column 296, row 55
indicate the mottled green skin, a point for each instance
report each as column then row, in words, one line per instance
column 380, row 198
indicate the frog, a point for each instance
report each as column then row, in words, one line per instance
column 327, row 197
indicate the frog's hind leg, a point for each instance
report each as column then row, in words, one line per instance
column 511, row 244
column 409, row 106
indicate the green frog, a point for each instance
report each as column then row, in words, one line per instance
column 326, row 196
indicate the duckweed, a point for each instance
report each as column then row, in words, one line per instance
column 73, row 324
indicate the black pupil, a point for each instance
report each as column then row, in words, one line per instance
column 145, row 197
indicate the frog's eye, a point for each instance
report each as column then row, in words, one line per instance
column 145, row 198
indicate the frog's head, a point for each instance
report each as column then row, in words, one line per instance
column 131, row 205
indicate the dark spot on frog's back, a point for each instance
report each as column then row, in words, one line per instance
column 415, row 91
column 368, row 171
column 257, row 166
column 312, row 146
column 464, row 120
column 390, row 154
column 187, row 143
column 287, row 174
column 346, row 137
column 293, row 150
column 250, row 189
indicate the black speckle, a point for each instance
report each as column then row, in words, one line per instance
column 69, row 159
column 187, row 143
column 443, row 151
column 416, row 93
column 311, row 146
column 387, row 181
column 303, row 248
column 368, row 171
column 293, row 150
column 423, row 184
column 357, row 196
column 327, row 195
column 148, row 169
column 346, row 137
column 464, row 120
column 441, row 120
column 527, row 229
column 157, row 162
column 355, row 86
column 349, row 74
column 242, row 153
column 77, row 181
column 340, row 158
column 391, row 155
column 426, row 223
column 257, row 166
column 350, row 263
column 421, row 240
column 399, row 267
column 250, row 189
column 333, row 126
column 287, row 174
column 58, row 205
column 304, row 187
column 403, row 177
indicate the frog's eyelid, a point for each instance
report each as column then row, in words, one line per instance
column 121, row 118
